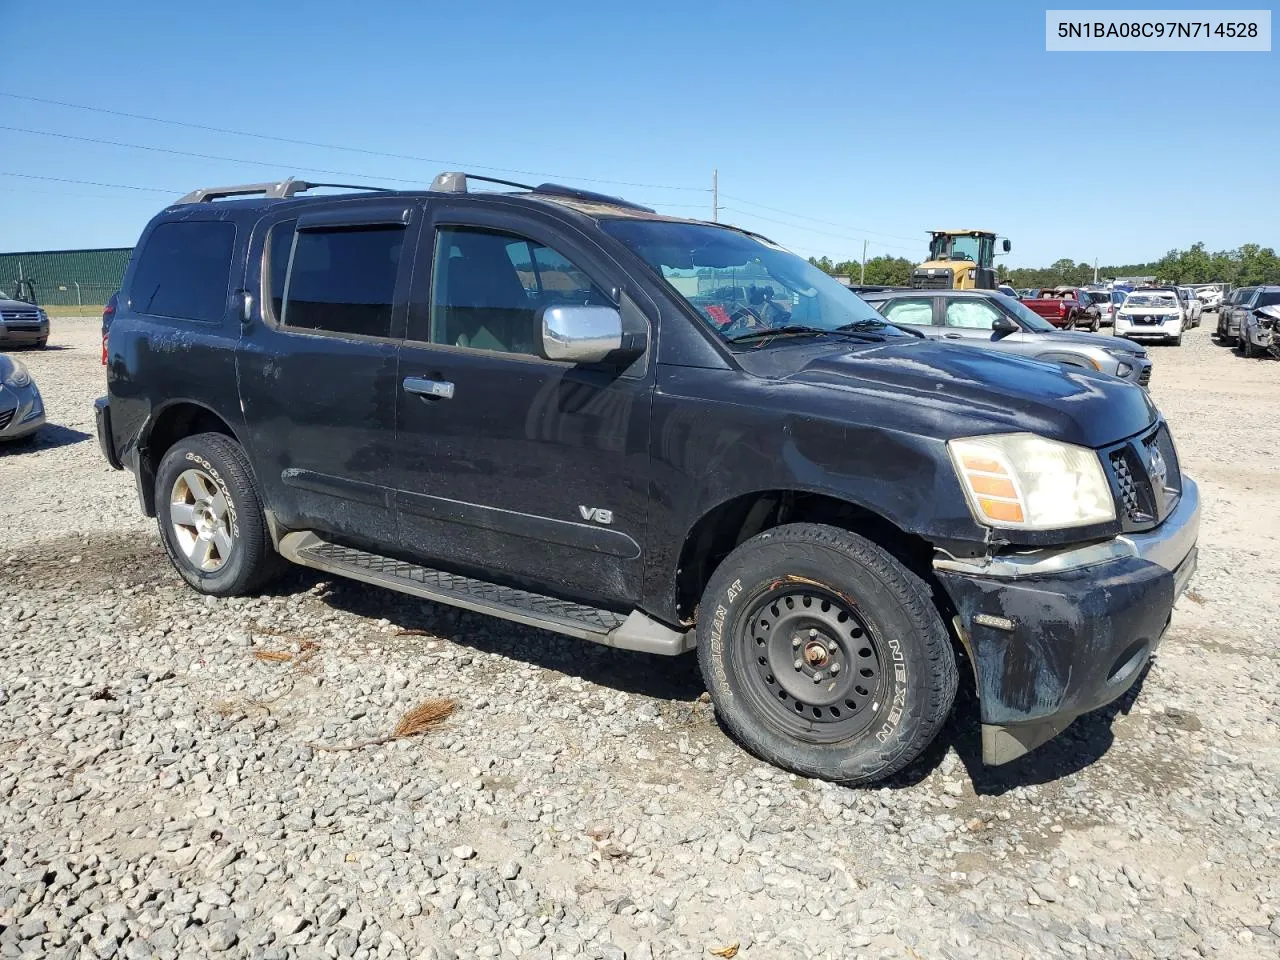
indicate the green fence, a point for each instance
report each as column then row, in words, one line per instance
column 68, row 278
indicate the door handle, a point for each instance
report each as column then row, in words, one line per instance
column 953, row 336
column 429, row 389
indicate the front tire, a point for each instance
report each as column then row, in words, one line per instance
column 210, row 516
column 876, row 675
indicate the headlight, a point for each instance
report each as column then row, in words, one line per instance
column 1123, row 369
column 1027, row 482
column 42, row 315
column 18, row 376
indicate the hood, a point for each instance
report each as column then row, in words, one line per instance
column 944, row 391
column 1092, row 340
column 8, row 304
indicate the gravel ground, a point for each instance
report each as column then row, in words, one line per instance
column 167, row 787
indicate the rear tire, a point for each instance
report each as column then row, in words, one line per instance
column 853, row 617
column 1249, row 350
column 211, row 519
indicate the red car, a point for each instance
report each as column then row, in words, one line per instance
column 1065, row 307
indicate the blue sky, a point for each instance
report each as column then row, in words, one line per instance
column 850, row 121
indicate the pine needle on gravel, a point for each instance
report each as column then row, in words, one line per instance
column 425, row 717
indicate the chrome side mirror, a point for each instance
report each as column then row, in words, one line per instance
column 585, row 335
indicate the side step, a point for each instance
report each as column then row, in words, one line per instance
column 633, row 632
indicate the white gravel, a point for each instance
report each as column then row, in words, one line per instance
column 160, row 797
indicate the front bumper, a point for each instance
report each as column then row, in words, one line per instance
column 1055, row 634
column 1168, row 330
column 23, row 334
column 21, row 412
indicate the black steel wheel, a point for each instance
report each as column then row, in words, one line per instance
column 815, row 663
column 825, row 655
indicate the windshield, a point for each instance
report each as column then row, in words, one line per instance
column 954, row 248
column 741, row 286
column 1025, row 315
column 1150, row 300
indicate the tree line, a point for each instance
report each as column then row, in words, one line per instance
column 1248, row 265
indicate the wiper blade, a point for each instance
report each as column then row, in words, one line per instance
column 794, row 329
column 791, row 328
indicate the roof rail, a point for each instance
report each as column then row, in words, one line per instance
column 455, row 182
column 271, row 191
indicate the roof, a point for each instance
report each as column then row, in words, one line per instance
column 992, row 232
column 884, row 293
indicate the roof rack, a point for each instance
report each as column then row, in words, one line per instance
column 271, row 191
column 456, row 182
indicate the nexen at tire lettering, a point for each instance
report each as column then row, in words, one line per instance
column 899, row 702
column 717, row 636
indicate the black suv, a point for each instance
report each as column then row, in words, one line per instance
column 658, row 434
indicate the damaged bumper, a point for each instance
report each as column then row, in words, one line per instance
column 1055, row 634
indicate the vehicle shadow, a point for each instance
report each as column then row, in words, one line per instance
column 678, row 679
column 48, row 437
column 1080, row 745
column 664, row 678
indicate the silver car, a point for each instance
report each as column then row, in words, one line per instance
column 22, row 324
column 985, row 318
column 21, row 408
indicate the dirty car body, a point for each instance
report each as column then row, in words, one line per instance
column 625, row 486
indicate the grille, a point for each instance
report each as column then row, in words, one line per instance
column 22, row 328
column 1142, row 501
column 924, row 281
column 1127, row 486
column 1144, row 376
column 22, row 316
column 6, row 418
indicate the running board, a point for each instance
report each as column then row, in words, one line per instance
column 635, row 631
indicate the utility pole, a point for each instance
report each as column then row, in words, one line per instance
column 715, row 195
column 862, row 277
column 1095, row 269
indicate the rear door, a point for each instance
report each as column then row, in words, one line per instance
column 317, row 364
column 913, row 313
column 509, row 465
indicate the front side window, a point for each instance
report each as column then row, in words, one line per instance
column 487, row 288
column 183, row 270
column 970, row 315
column 343, row 280
column 916, row 312
column 743, row 287
column 1266, row 298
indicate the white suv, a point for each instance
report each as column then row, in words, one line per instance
column 1152, row 315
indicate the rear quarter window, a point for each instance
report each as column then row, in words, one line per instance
column 184, row 271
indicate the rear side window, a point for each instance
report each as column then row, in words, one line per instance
column 1267, row 298
column 183, row 271
column 916, row 313
column 279, row 246
column 343, row 280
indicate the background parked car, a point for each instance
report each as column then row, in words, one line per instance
column 1231, row 315
column 1152, row 313
column 21, row 408
column 1065, row 311
column 22, row 324
column 1255, row 333
column 1007, row 290
column 108, row 314
column 1101, row 299
column 986, row 318
column 1191, row 304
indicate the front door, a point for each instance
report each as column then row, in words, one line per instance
column 970, row 320
column 537, row 470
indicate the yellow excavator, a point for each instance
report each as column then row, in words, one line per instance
column 959, row 260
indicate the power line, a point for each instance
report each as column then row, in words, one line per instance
column 828, row 233
column 337, row 146
column 830, row 223
column 86, row 183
